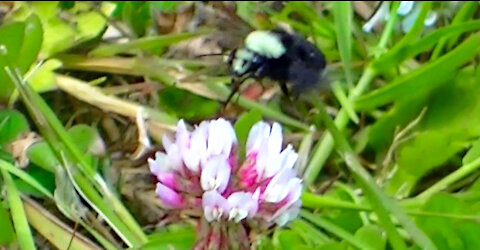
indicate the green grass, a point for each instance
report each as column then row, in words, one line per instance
column 403, row 174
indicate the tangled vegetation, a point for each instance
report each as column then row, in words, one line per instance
column 98, row 101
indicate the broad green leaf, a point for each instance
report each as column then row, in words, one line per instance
column 448, row 233
column 447, row 128
column 333, row 246
column 383, row 206
column 137, row 15
column 424, row 79
column 32, row 43
column 6, row 228
column 61, row 32
column 12, row 125
column 41, row 154
column 66, row 4
column 87, row 139
column 90, row 24
column 373, row 236
column 42, row 177
column 263, row 243
column 287, row 239
column 175, row 236
column 43, row 78
column 404, row 111
column 58, row 35
column 347, row 219
column 45, row 10
column 11, row 39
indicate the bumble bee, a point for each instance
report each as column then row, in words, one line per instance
column 280, row 56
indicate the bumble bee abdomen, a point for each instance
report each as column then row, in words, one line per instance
column 303, row 51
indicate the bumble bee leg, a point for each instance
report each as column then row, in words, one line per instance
column 285, row 91
column 236, row 85
column 144, row 142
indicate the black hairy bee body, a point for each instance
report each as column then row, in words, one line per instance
column 286, row 58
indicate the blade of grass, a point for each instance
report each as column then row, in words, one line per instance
column 95, row 96
column 108, row 206
column 382, row 45
column 392, row 59
column 306, row 230
column 313, row 201
column 381, row 203
column 20, row 223
column 355, row 199
column 55, row 230
column 317, row 201
column 448, row 180
column 424, row 79
column 144, row 43
column 325, row 146
column 304, row 151
column 342, row 12
column 334, row 229
column 417, row 26
column 465, row 13
column 136, row 68
column 343, row 99
column 26, row 177
column 223, row 91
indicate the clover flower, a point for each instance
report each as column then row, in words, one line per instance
column 199, row 171
column 407, row 9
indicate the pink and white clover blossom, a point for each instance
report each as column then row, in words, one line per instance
column 201, row 168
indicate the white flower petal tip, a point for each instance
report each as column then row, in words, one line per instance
column 215, row 206
column 242, row 205
column 215, row 175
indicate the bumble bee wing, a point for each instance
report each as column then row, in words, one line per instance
column 303, row 78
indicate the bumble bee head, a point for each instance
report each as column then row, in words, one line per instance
column 241, row 61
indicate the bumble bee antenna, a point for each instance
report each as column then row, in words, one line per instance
column 212, row 54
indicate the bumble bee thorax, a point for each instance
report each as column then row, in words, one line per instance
column 265, row 43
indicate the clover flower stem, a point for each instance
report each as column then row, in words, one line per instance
column 383, row 206
column 389, row 27
column 325, row 146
